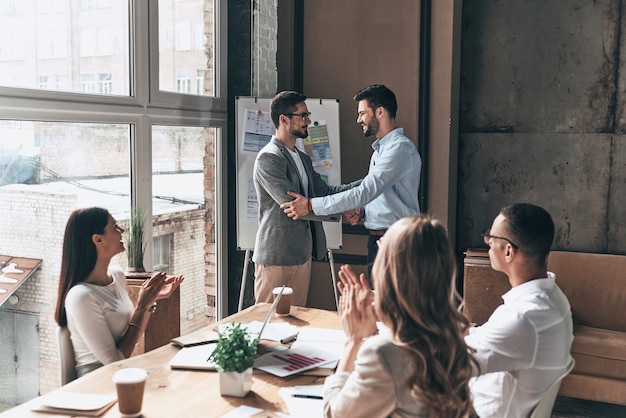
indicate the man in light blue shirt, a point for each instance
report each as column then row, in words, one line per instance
column 390, row 189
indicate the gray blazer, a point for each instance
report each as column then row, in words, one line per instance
column 281, row 241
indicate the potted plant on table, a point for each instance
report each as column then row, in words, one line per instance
column 135, row 245
column 233, row 357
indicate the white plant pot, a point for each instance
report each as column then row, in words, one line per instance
column 235, row 384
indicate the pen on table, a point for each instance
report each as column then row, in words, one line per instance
column 289, row 339
column 301, row 395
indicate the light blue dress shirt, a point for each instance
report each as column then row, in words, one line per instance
column 390, row 189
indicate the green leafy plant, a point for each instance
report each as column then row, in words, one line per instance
column 235, row 350
column 135, row 245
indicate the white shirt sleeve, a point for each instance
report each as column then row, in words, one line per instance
column 507, row 342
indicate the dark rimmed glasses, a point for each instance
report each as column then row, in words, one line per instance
column 303, row 115
column 486, row 234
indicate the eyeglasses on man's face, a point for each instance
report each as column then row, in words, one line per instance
column 486, row 234
column 303, row 115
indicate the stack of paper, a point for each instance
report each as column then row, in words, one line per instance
column 194, row 358
column 80, row 404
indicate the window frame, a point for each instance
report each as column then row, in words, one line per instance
column 145, row 107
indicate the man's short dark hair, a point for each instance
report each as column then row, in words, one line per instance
column 378, row 95
column 283, row 103
column 531, row 228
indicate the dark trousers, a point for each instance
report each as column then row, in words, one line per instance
column 372, row 250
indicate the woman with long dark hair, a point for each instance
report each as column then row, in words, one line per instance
column 93, row 301
column 419, row 364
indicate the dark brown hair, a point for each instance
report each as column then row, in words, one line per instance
column 284, row 103
column 79, row 252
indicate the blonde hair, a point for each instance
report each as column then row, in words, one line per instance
column 414, row 274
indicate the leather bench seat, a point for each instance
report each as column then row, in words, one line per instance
column 599, row 352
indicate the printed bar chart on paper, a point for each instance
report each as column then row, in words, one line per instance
column 292, row 361
column 298, row 361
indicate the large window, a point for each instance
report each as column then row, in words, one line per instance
column 97, row 111
column 186, row 42
column 61, row 39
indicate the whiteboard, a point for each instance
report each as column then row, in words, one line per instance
column 253, row 111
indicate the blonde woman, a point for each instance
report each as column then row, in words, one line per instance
column 419, row 365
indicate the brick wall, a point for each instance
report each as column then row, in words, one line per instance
column 33, row 226
column 71, row 148
column 264, row 44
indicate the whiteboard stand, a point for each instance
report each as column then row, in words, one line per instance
column 244, row 277
column 246, row 262
column 333, row 276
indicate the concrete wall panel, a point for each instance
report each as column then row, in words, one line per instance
column 616, row 227
column 567, row 174
column 539, row 66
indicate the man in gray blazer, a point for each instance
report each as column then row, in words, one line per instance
column 389, row 192
column 284, row 248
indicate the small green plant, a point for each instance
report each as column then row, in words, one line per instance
column 235, row 350
column 135, row 245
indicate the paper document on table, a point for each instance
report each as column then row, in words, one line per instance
column 73, row 403
column 331, row 340
column 245, row 411
column 303, row 401
column 287, row 362
column 196, row 357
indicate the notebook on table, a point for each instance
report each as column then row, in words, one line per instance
column 198, row 357
column 201, row 336
column 75, row 404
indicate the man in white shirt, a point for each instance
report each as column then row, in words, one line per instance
column 524, row 347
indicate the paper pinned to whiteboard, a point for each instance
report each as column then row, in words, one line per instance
column 257, row 130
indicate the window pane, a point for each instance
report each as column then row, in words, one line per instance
column 161, row 253
column 182, row 180
column 47, row 170
column 186, row 45
column 53, row 45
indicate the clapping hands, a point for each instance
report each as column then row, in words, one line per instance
column 159, row 286
column 356, row 304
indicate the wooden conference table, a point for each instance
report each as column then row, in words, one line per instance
column 188, row 393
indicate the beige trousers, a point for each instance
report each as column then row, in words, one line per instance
column 268, row 277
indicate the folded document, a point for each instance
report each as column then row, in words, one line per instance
column 70, row 403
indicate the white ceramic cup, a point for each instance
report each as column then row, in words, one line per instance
column 284, row 304
column 130, row 384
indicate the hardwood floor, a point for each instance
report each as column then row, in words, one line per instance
column 578, row 408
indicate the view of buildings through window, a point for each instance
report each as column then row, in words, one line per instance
column 88, row 135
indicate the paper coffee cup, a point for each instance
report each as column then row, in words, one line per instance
column 130, row 384
column 284, row 304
